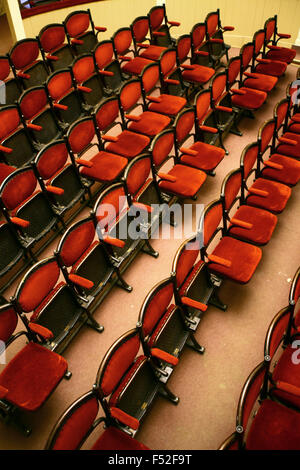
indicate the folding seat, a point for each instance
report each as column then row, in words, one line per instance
column 39, row 116
column 181, row 181
column 246, row 223
column 230, row 259
column 200, row 154
column 276, row 167
column 80, row 420
column 284, row 54
column 196, row 75
column 160, row 26
column 81, row 31
column 11, row 85
column 60, row 178
column 214, row 33
column 201, row 49
column 127, row 384
column 127, row 144
column 28, row 209
column 262, row 423
column 116, row 221
column 131, row 63
column 32, row 374
column 102, row 166
column 289, row 145
column 274, row 68
column 164, row 330
column 16, row 145
column 25, row 63
column 266, row 194
column 88, row 80
column 256, row 81
column 86, row 263
column 108, row 66
column 65, row 97
column 148, row 123
column 55, row 49
column 43, row 299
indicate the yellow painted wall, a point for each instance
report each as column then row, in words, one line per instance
column 246, row 15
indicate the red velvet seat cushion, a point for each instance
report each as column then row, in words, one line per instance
column 207, row 158
column 199, row 74
column 261, row 82
column 287, row 149
column 244, row 259
column 150, row 123
column 284, row 54
column 152, row 52
column 129, row 144
column 278, row 195
column 253, row 99
column 290, row 174
column 169, row 104
column 275, row 68
column 106, row 167
column 275, row 427
column 188, row 181
column 31, row 376
column 287, row 370
column 115, row 439
column 263, row 222
column 135, row 66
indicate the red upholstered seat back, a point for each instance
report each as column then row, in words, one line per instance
column 212, row 23
column 140, row 28
column 259, row 38
column 130, row 94
column 8, row 322
column 186, row 260
column 266, row 134
column 162, row 146
column 233, row 69
column 231, row 188
column 184, row 124
column 276, row 331
column 24, row 53
column 104, row 53
column 33, row 101
column 281, row 110
column 168, row 62
column 202, row 104
column 4, row 68
column 77, row 23
column 83, row 67
column 184, row 43
column 250, row 393
column 81, row 134
column 198, row 34
column 9, row 121
column 218, row 85
column 110, row 205
column 76, row 241
column 122, row 40
column 52, row 36
column 18, row 188
column 52, row 158
column 118, row 361
column 37, row 284
column 155, row 307
column 59, row 83
column 107, row 112
column 137, row 175
column 247, row 54
column 156, row 17
column 249, row 158
column 212, row 218
column 270, row 26
column 150, row 76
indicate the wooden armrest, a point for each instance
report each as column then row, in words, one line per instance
column 101, row 28
column 35, row 127
column 219, row 260
column 241, row 223
column 60, row 106
column 84, row 88
column 274, row 165
column 81, row 281
column 125, row 418
column 5, row 149
column 211, row 130
column 55, row 190
column 106, row 72
column 144, row 207
column 190, row 152
column 228, row 28
column 76, row 41
column 258, row 192
column 40, row 330
column 284, row 35
column 114, row 241
column 51, row 57
column 289, row 388
column 194, row 304
column 83, row 162
column 20, row 222
column 284, row 140
column 164, row 356
column 132, row 117
column 109, row 138
column 167, row 177
column 174, row 23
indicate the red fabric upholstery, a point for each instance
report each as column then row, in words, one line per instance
column 168, row 104
column 18, row 189
column 261, row 82
column 31, row 376
column 106, row 167
column 186, row 261
column 274, row 68
column 188, row 181
column 199, row 74
column 150, row 123
column 290, row 173
column 243, row 256
column 137, row 175
column 77, row 242
column 135, row 66
column 115, row 439
column 290, row 150
column 207, row 158
column 284, row 54
column 152, row 52
column 5, row 170
column 77, row 23
column 8, row 323
column 156, row 308
column 278, row 195
column 24, row 53
column 275, row 427
column 129, row 144
column 52, row 159
column 287, row 371
column 252, row 99
column 124, row 418
column 9, row 121
column 263, row 222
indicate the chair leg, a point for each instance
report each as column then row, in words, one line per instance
column 222, row 143
column 215, row 300
column 165, row 392
column 147, row 248
column 92, row 323
column 122, row 283
column 193, row 343
column 235, row 130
